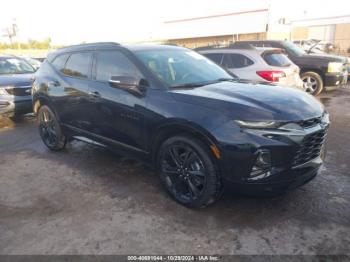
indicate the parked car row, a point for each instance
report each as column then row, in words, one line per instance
column 203, row 129
column 16, row 77
column 317, row 71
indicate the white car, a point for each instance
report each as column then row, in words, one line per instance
column 255, row 63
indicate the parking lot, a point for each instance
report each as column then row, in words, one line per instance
column 86, row 200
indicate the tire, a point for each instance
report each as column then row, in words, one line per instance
column 188, row 172
column 50, row 129
column 313, row 83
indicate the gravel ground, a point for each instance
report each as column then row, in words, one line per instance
column 86, row 200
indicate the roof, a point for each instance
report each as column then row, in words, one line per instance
column 88, row 46
column 258, row 50
column 145, row 47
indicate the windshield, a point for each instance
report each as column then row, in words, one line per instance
column 293, row 48
column 15, row 66
column 181, row 67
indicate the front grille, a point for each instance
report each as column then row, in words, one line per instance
column 20, row 91
column 310, row 147
column 310, row 122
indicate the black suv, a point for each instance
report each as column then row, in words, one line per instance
column 181, row 113
column 316, row 70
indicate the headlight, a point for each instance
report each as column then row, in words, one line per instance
column 257, row 124
column 335, row 67
column 325, row 118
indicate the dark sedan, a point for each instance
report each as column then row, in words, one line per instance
column 16, row 77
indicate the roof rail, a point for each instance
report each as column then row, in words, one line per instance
column 208, row 47
column 90, row 44
column 241, row 45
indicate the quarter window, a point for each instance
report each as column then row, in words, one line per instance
column 114, row 63
column 237, row 61
column 78, row 65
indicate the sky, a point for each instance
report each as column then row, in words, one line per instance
column 76, row 21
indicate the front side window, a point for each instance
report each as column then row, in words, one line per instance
column 237, row 61
column 181, row 66
column 60, row 62
column 114, row 63
column 78, row 65
column 15, row 66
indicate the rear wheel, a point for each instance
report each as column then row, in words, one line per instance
column 50, row 129
column 313, row 83
column 187, row 172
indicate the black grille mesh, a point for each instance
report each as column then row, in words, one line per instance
column 310, row 148
column 310, row 122
column 21, row 91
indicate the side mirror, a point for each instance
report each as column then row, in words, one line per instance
column 130, row 84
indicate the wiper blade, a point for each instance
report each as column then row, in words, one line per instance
column 227, row 80
column 189, row 85
column 199, row 84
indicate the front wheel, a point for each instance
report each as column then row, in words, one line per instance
column 50, row 129
column 187, row 172
column 312, row 82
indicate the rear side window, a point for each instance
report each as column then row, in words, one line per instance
column 237, row 61
column 114, row 63
column 215, row 57
column 277, row 59
column 60, row 62
column 78, row 65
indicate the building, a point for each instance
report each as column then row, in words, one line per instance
column 335, row 30
column 221, row 29
column 217, row 29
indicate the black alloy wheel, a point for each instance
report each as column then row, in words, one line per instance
column 188, row 172
column 50, row 130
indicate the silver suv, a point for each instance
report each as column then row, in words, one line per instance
column 258, row 64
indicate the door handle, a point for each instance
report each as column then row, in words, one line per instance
column 95, row 94
column 53, row 83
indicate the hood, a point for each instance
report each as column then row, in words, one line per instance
column 326, row 57
column 254, row 102
column 16, row 80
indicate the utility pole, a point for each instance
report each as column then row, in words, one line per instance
column 11, row 32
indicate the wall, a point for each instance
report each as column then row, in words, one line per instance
column 342, row 37
column 215, row 40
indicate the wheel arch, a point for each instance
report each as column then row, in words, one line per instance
column 170, row 129
column 314, row 70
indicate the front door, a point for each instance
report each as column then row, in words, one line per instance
column 117, row 114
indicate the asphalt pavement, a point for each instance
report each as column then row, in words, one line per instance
column 87, row 200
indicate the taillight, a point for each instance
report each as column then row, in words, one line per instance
column 272, row 76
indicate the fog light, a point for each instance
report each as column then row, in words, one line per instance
column 262, row 166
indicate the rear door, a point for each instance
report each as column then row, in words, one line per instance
column 215, row 57
column 75, row 105
column 240, row 64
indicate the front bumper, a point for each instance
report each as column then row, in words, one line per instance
column 336, row 79
column 287, row 169
column 11, row 107
column 282, row 182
